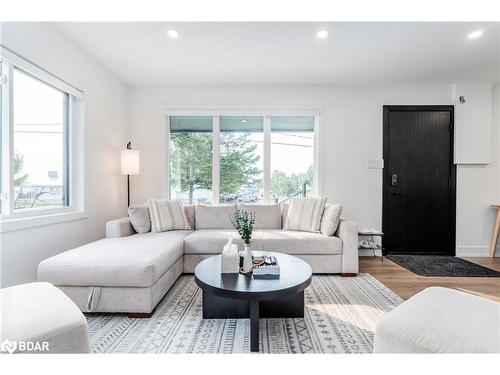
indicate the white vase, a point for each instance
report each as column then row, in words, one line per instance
column 247, row 259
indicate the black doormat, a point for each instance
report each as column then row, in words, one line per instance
column 441, row 265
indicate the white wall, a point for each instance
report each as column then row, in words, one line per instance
column 478, row 186
column 105, row 135
column 351, row 135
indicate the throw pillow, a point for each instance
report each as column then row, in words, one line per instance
column 139, row 218
column 284, row 214
column 214, row 217
column 190, row 212
column 304, row 214
column 167, row 215
column 267, row 216
column 331, row 219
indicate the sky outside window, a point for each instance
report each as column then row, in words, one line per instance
column 38, row 142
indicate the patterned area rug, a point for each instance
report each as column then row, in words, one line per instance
column 340, row 317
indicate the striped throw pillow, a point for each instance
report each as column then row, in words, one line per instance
column 167, row 215
column 304, row 214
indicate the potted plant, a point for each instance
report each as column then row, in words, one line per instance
column 244, row 221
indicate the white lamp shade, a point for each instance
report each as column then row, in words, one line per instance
column 130, row 162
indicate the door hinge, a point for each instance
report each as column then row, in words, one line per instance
column 449, row 181
column 3, row 80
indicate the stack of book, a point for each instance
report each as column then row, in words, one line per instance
column 269, row 269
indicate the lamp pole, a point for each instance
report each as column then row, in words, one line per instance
column 130, row 165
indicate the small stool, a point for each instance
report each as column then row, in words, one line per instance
column 440, row 320
column 39, row 318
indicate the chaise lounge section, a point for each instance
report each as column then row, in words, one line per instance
column 130, row 273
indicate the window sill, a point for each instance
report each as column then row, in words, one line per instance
column 13, row 224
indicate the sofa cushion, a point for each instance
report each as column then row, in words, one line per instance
column 284, row 214
column 331, row 219
column 190, row 212
column 167, row 214
column 214, row 217
column 118, row 227
column 137, row 261
column 139, row 218
column 267, row 216
column 296, row 242
column 211, row 241
column 304, row 214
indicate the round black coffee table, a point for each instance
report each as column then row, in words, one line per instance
column 235, row 296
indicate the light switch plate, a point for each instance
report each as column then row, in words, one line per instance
column 376, row 164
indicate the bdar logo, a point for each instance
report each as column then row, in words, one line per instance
column 8, row 346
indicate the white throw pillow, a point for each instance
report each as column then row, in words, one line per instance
column 167, row 215
column 190, row 212
column 214, row 217
column 284, row 214
column 267, row 216
column 139, row 218
column 304, row 214
column 331, row 219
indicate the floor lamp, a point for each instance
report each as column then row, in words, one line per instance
column 130, row 163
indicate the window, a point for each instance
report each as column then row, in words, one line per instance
column 41, row 144
column 241, row 159
column 292, row 157
column 40, row 133
column 191, row 159
column 248, row 158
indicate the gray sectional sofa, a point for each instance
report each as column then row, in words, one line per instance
column 130, row 273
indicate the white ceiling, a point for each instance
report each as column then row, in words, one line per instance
column 289, row 53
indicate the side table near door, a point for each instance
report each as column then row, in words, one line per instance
column 496, row 231
column 372, row 233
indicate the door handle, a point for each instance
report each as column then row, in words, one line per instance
column 394, row 180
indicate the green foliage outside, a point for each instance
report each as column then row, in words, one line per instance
column 191, row 166
column 237, row 163
column 191, row 162
column 283, row 185
column 19, row 177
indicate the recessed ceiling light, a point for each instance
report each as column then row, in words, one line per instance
column 174, row 34
column 322, row 34
column 244, row 121
column 475, row 34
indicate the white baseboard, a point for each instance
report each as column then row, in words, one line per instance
column 461, row 251
column 369, row 253
column 475, row 251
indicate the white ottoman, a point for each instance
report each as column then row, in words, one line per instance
column 440, row 320
column 39, row 318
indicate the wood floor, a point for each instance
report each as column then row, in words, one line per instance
column 406, row 284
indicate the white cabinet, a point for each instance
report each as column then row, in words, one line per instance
column 473, row 129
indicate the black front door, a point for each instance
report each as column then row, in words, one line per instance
column 419, row 180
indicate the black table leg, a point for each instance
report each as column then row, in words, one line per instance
column 254, row 325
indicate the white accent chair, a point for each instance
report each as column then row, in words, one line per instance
column 42, row 315
column 440, row 320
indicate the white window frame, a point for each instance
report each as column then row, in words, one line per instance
column 10, row 219
column 216, row 114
